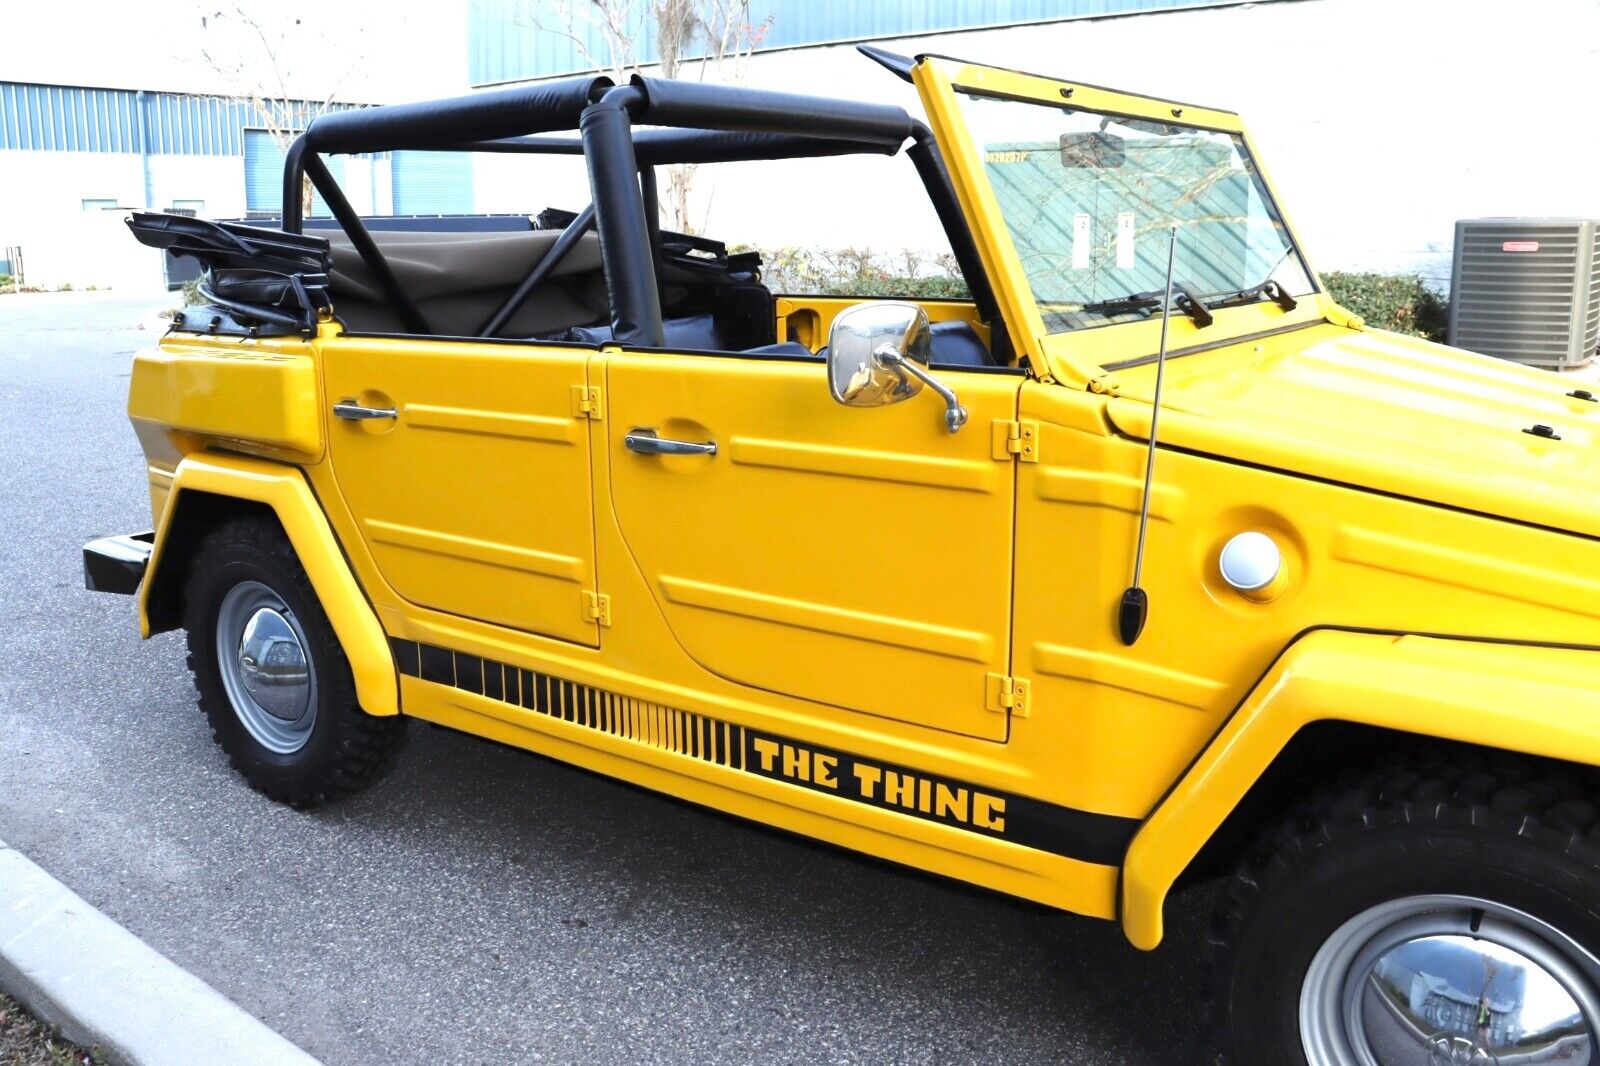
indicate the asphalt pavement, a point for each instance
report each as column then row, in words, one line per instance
column 482, row 905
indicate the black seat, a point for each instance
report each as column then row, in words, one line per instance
column 951, row 344
column 957, row 344
column 697, row 332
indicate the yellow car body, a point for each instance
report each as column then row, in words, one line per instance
column 864, row 628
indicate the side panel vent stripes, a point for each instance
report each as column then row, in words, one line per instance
column 666, row 728
column 1082, row 835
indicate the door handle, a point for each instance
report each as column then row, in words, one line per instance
column 351, row 411
column 645, row 442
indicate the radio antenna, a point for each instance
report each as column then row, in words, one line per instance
column 1135, row 606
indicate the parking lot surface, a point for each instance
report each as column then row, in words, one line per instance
column 482, row 905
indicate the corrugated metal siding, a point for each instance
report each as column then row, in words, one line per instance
column 63, row 118
column 263, row 172
column 506, row 41
column 431, row 183
column 263, row 175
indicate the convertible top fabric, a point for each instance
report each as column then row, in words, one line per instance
column 459, row 279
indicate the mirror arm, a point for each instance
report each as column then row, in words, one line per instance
column 955, row 416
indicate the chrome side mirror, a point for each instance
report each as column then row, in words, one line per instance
column 878, row 355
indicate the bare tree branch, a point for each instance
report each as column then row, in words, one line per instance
column 253, row 52
column 716, row 35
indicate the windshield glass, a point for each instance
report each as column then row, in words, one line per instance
column 1089, row 199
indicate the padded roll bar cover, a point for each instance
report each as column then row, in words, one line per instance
column 619, row 218
column 723, row 107
column 510, row 112
column 657, row 147
column 925, row 155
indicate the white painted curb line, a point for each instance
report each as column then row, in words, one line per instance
column 74, row 967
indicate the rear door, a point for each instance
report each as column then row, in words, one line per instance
column 859, row 558
column 475, row 497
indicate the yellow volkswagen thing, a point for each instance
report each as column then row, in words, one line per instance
column 1146, row 565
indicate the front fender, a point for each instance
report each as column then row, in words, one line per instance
column 284, row 490
column 1538, row 700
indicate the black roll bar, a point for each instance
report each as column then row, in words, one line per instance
column 365, row 246
column 925, row 156
column 652, row 214
column 441, row 123
column 624, row 233
column 659, row 147
column 541, row 270
column 705, row 123
column 734, row 108
column 294, row 176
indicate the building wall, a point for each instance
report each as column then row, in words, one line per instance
column 41, row 209
column 514, row 40
column 1381, row 122
column 178, row 52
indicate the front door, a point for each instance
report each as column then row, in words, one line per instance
column 474, row 498
column 855, row 557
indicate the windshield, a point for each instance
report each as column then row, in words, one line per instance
column 1089, row 200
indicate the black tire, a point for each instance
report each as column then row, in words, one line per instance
column 1517, row 833
column 346, row 749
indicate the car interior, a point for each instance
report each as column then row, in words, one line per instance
column 711, row 300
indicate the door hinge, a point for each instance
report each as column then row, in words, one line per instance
column 1007, row 695
column 1018, row 440
column 597, row 607
column 586, row 402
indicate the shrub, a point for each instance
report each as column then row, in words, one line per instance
column 1398, row 302
column 862, row 272
column 191, row 293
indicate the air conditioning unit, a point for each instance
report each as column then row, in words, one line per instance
column 1527, row 289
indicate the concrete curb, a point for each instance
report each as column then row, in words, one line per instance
column 74, row 967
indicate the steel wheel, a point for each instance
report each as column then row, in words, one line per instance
column 1449, row 981
column 266, row 669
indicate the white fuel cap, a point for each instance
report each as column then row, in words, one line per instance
column 1251, row 561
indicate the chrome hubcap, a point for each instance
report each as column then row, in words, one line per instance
column 1450, row 981
column 266, row 672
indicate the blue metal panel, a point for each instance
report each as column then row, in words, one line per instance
column 71, row 119
column 263, row 172
column 431, row 183
column 263, row 175
column 508, row 40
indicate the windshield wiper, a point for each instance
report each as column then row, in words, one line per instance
column 1134, row 301
column 1265, row 287
column 1269, row 289
column 1185, row 299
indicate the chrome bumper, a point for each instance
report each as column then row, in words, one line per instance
column 116, row 564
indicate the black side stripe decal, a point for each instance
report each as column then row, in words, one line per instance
column 1076, row 834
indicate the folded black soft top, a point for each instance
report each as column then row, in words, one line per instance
column 230, row 244
column 268, row 281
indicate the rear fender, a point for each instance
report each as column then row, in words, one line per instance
column 200, row 483
column 1536, row 700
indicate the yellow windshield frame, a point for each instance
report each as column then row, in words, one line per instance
column 1082, row 357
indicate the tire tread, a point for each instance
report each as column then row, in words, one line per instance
column 368, row 747
column 1499, row 794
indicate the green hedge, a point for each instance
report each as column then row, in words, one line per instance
column 861, row 272
column 1398, row 302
